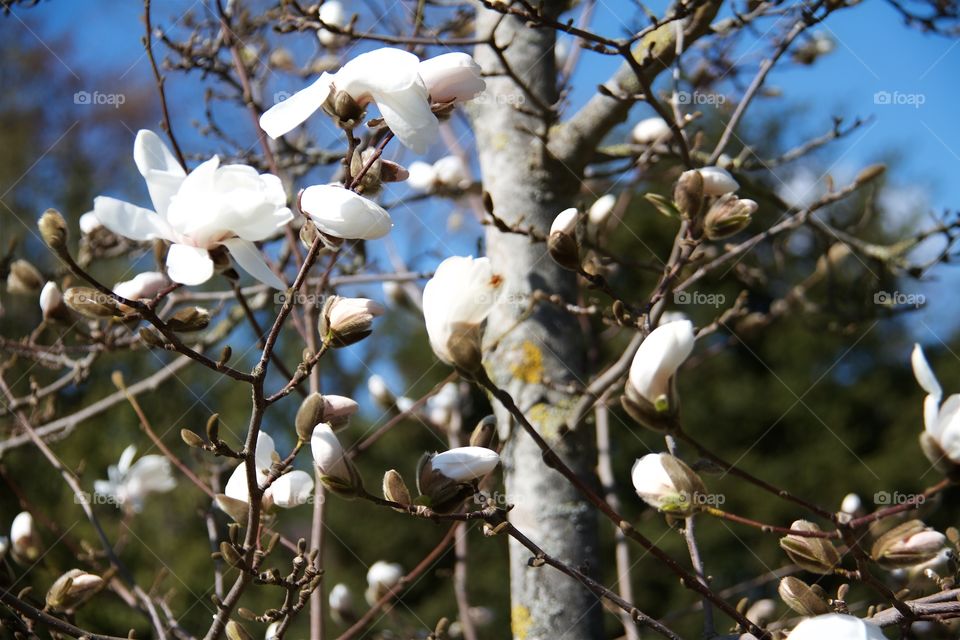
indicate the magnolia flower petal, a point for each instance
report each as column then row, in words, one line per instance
column 142, row 285
column 947, row 427
column 126, row 459
column 836, row 626
column 718, row 181
column 151, row 474
column 189, row 265
column 292, row 489
column 651, row 480
column 236, row 486
column 265, row 453
column 287, row 115
column 383, row 70
column 328, row 453
column 408, row 115
column 129, row 220
column 452, row 76
column 159, row 168
column 249, row 258
column 463, row 464
column 925, row 376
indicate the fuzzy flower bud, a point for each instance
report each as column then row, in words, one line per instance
column 72, row 589
column 51, row 303
column 717, row 181
column 53, row 230
column 336, row 471
column 23, row 278
column 345, row 321
column 908, row 544
column 816, row 555
column 688, row 193
column 727, row 216
column 800, row 597
column 562, row 241
column 651, row 396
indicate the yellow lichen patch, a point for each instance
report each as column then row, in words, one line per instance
column 500, row 141
column 550, row 418
column 529, row 367
column 520, row 621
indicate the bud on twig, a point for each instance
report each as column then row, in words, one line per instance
column 484, row 433
column 395, row 489
column 345, row 321
column 688, row 194
column 51, row 303
column 727, row 216
column 336, row 471
column 24, row 279
column 562, row 241
column 189, row 319
column 234, row 631
column 53, row 230
column 667, row 484
column 90, row 303
column 817, row 555
column 800, row 597
column 72, row 589
column 908, row 544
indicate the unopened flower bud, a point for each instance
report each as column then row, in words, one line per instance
column 53, row 230
column 717, row 181
column 599, row 212
column 345, row 321
column 871, row 173
column 189, row 319
column 395, row 489
column 908, row 544
column 484, row 433
column 688, row 193
column 667, row 484
column 464, row 464
column 337, row 472
column 309, row 415
column 650, row 393
column 191, row 439
column 342, row 106
column 382, row 577
column 91, row 303
column 23, row 278
column 445, row 483
column 817, row 555
column 71, row 589
column 234, row 631
column 51, row 303
column 341, row 603
column 562, row 241
column 24, row 541
column 727, row 216
column 370, row 182
column 800, row 597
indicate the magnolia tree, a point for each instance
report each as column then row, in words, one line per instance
column 285, row 219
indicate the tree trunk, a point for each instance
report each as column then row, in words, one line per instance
column 528, row 188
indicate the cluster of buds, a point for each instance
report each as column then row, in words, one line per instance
column 712, row 188
column 345, row 321
column 816, row 555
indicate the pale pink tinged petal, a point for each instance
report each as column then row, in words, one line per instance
column 249, row 258
column 925, row 376
column 408, row 115
column 151, row 154
column 287, row 115
column 189, row 265
column 129, row 220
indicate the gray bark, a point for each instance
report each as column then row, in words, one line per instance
column 529, row 188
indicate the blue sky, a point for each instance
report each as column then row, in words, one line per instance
column 874, row 53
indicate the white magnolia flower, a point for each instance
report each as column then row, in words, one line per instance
column 328, row 454
column 50, row 299
column 600, row 210
column 389, row 77
column 650, row 130
column 449, row 172
column 89, row 222
column 566, row 222
column 341, row 213
column 941, row 421
column 340, row 597
column 231, row 206
column 381, row 578
column 128, row 482
column 401, row 86
column 23, row 537
column 657, row 360
column 717, row 181
column 456, row 301
column 142, row 285
column 452, row 77
column 464, row 464
column 289, row 490
column 332, row 13
column 835, row 626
